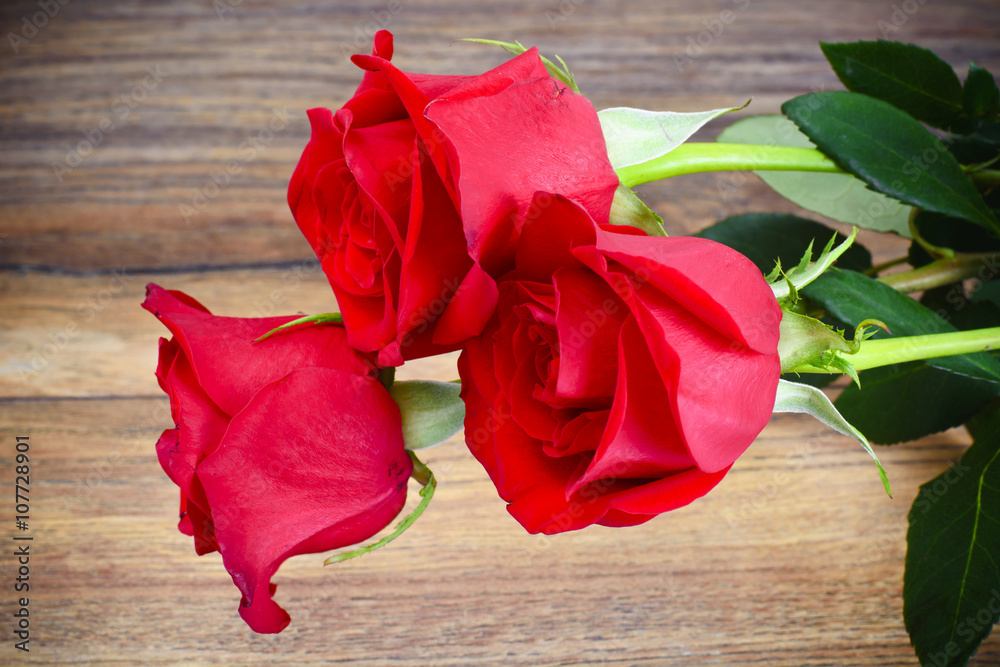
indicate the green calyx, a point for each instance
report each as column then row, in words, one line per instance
column 431, row 412
column 806, row 344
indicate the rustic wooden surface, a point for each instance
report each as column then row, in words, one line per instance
column 795, row 559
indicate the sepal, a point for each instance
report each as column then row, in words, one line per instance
column 786, row 284
column 432, row 412
column 795, row 397
column 628, row 209
column 516, row 49
column 321, row 318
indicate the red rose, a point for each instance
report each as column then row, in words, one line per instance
column 283, row 447
column 379, row 189
column 622, row 374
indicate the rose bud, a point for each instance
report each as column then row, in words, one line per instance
column 283, row 447
column 414, row 173
column 621, row 376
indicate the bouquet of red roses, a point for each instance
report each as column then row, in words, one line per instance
column 609, row 372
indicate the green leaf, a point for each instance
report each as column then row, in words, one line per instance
column 841, row 197
column 432, row 412
column 795, row 397
column 766, row 238
column 980, row 95
column 851, row 297
column 960, row 307
column 987, row 292
column 634, row 136
column 890, row 151
column 908, row 401
column 906, row 76
column 951, row 586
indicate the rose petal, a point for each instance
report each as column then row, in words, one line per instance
column 719, row 285
column 721, row 393
column 641, row 439
column 230, row 367
column 589, row 316
column 287, row 481
column 528, row 114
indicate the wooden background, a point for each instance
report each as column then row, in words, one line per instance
column 795, row 559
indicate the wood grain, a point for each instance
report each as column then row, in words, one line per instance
column 795, row 559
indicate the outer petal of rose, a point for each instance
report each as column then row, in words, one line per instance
column 184, row 523
column 288, row 481
column 194, row 520
column 168, row 351
column 230, row 367
column 527, row 66
column 201, row 425
column 431, row 85
column 479, row 393
column 638, row 505
column 711, row 322
column 715, row 283
column 414, row 100
column 552, row 141
column 721, row 392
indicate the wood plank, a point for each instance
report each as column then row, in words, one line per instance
column 796, row 558
column 72, row 337
column 219, row 81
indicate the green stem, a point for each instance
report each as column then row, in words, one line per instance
column 888, row 351
column 691, row 158
column 944, row 271
column 879, row 268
